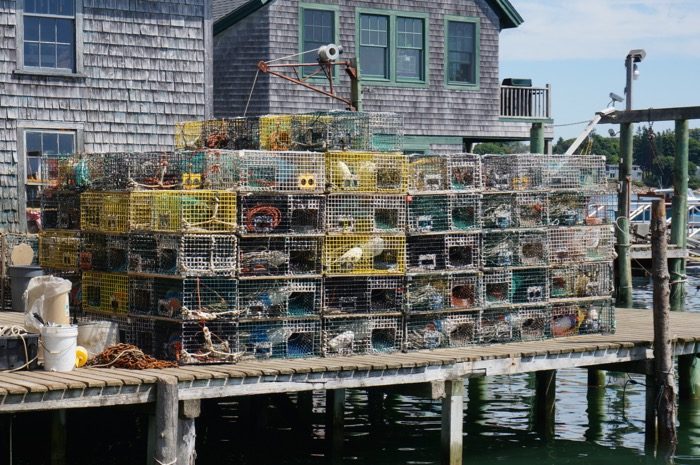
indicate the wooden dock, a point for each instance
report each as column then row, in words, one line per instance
column 630, row 348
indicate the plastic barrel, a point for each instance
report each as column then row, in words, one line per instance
column 19, row 279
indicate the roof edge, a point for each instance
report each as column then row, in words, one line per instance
column 239, row 14
column 509, row 16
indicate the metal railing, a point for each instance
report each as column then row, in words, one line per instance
column 526, row 102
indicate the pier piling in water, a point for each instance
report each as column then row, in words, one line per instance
column 452, row 422
column 545, row 396
column 166, row 422
column 335, row 423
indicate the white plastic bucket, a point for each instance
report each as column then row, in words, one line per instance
column 59, row 344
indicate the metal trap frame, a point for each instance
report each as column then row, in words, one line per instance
column 427, row 292
column 280, row 338
column 363, row 295
column 240, row 133
column 378, row 254
column 60, row 209
column 140, row 331
column 499, row 211
column 583, row 317
column 373, row 172
column 515, row 324
column 105, row 292
column 276, row 133
column 274, row 298
column 573, row 245
column 189, row 211
column 531, row 209
column 262, row 213
column 498, row 287
column 579, row 172
column 192, row 298
column 568, row 208
column 188, row 135
column 282, row 171
column 601, row 209
column 200, row 342
column 387, row 131
column 465, row 172
column 59, row 249
column 104, row 252
column 105, row 212
column 441, row 330
column 366, row 334
column 362, row 214
column 444, row 251
column 513, row 172
column 444, row 212
column 212, row 170
column 530, row 286
column 517, row 247
column 583, row 280
column 427, row 173
column 280, row 256
column 336, row 130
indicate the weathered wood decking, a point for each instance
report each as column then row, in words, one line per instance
column 94, row 387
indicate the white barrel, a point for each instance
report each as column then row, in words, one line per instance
column 59, row 344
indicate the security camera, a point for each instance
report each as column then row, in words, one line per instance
column 612, row 132
column 615, row 98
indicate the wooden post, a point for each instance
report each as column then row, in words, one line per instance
column 355, row 86
column 165, row 452
column 335, row 423
column 650, row 415
column 596, row 378
column 452, row 422
column 537, row 138
column 58, row 437
column 6, row 439
column 545, row 395
column 663, row 351
column 595, row 397
column 189, row 410
column 679, row 220
column 622, row 231
column 375, row 405
column 689, row 377
column 305, row 407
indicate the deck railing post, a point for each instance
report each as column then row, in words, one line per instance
column 335, row 423
column 545, row 395
column 452, row 422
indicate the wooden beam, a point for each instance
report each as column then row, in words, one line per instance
column 639, row 367
column 651, row 114
column 434, row 390
column 452, row 422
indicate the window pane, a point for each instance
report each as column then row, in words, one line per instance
column 409, row 64
column 33, row 143
column 66, row 143
column 50, row 143
column 461, row 52
column 64, row 31
column 48, row 30
column 64, row 56
column 30, row 6
column 33, row 167
column 48, row 55
column 31, row 54
column 373, row 62
column 319, row 30
column 31, row 28
column 66, row 7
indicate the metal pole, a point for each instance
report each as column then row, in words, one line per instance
column 624, row 264
column 629, row 64
column 537, row 138
column 679, row 220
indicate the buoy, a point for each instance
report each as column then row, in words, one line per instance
column 81, row 356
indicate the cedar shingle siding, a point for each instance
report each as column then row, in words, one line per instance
column 273, row 32
column 144, row 70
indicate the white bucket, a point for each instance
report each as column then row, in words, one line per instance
column 59, row 344
column 96, row 336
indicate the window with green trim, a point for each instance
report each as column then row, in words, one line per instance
column 409, row 49
column 461, row 52
column 374, row 46
column 318, row 29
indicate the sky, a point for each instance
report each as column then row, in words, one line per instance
column 579, row 47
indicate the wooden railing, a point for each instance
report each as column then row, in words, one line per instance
column 526, row 102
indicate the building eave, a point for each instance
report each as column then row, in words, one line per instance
column 239, row 14
column 507, row 13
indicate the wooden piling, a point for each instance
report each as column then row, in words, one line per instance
column 663, row 351
column 452, row 422
column 189, row 411
column 545, row 396
column 595, row 411
column 305, row 410
column 537, row 138
column 689, row 377
column 58, row 437
column 375, row 406
column 6, row 439
column 679, row 220
column 335, row 423
column 596, row 378
column 166, row 424
column 650, row 415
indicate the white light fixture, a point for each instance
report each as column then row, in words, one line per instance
column 635, row 72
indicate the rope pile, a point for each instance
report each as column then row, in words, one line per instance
column 127, row 356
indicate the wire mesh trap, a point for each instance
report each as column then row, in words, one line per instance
column 573, row 245
column 211, row 169
column 387, row 131
column 516, row 324
column 60, row 209
column 571, row 319
column 465, row 172
column 106, row 212
column 567, row 208
column 530, row 286
column 362, row 214
column 513, row 172
column 59, row 249
column 241, row 133
column 499, row 211
column 427, row 293
column 444, row 212
column 123, row 325
column 581, row 172
column 367, row 172
column 498, row 290
column 276, row 132
column 583, row 280
column 140, row 331
column 191, row 211
column 532, row 209
column 602, row 209
column 282, row 214
column 441, row 330
column 516, row 248
column 282, row 171
column 280, row 338
column 196, row 342
column 188, row 135
column 12, row 240
column 273, row 298
column 280, row 256
column 105, row 292
column 362, row 335
column 337, row 130
column 450, row 251
column 363, row 294
column 364, row 254
column 104, row 252
column 192, row 298
column 427, row 173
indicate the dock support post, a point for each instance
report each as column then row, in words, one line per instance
column 305, row 407
column 679, row 220
column 622, row 232
column 186, row 433
column 595, row 397
column 537, row 138
column 58, row 437
column 165, row 452
column 335, row 423
column 689, row 377
column 375, row 404
column 545, row 395
column 6, row 439
column 452, row 422
column 596, row 378
column 650, row 415
column 663, row 351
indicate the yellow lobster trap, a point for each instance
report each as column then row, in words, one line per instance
column 192, row 211
column 276, row 132
column 59, row 250
column 105, row 292
column 364, row 254
column 188, row 135
column 106, row 212
column 367, row 172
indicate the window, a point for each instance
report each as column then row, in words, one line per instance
column 38, row 143
column 49, row 37
column 392, row 47
column 317, row 29
column 462, row 52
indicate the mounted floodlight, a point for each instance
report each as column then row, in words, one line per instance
column 330, row 52
column 616, row 98
column 635, row 72
column 637, row 55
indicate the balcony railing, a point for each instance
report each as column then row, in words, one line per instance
column 526, row 102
